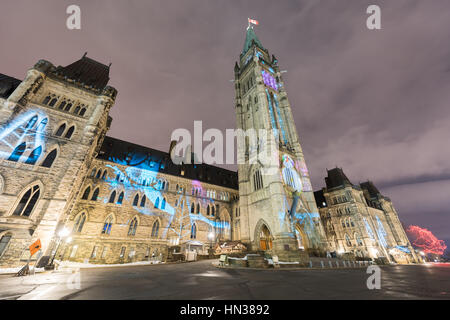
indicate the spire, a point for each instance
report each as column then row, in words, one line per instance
column 249, row 38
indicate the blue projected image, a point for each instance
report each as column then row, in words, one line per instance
column 180, row 220
column 22, row 135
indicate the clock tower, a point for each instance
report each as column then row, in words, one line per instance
column 278, row 213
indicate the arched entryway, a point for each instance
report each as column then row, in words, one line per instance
column 265, row 238
column 302, row 240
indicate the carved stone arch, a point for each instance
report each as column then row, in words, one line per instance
column 224, row 224
column 301, row 237
column 266, row 243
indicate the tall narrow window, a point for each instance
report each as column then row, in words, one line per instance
column 69, row 133
column 120, row 200
column 194, row 231
column 82, row 112
column 133, row 227
column 348, row 241
column 42, row 125
column 34, row 155
column 27, row 202
column 192, row 208
column 18, row 151
column 48, row 161
column 79, row 223
column 46, row 100
column 112, row 197
column 208, row 210
column 155, row 229
column 136, row 200
column 86, row 193
column 53, row 102
column 60, row 130
column 143, row 200
column 198, row 207
column 32, row 122
column 163, row 204
column 107, row 225
column 157, row 203
column 4, row 241
column 95, row 194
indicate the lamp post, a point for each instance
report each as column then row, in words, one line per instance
column 211, row 238
column 63, row 233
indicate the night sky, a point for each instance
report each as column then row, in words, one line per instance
column 375, row 103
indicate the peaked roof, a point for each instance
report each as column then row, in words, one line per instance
column 337, row 178
column 86, row 71
column 249, row 38
column 7, row 85
column 133, row 155
column 370, row 188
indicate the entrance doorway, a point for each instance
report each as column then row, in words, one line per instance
column 265, row 239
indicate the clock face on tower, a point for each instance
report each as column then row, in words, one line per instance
column 291, row 177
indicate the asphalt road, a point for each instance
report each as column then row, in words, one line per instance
column 201, row 280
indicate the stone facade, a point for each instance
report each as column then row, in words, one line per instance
column 93, row 198
column 361, row 221
column 50, row 130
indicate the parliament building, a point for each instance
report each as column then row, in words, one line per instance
column 92, row 198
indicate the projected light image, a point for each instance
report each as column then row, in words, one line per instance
column 180, row 218
column 24, row 136
column 269, row 80
column 426, row 240
column 382, row 234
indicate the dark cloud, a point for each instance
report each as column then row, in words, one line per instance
column 372, row 102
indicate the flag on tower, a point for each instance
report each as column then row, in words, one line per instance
column 255, row 22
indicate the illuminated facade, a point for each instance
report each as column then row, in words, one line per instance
column 359, row 220
column 51, row 126
column 121, row 202
column 278, row 210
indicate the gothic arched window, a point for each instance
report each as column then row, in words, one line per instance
column 198, row 208
column 120, row 200
column 34, row 155
column 112, row 197
column 18, row 151
column 60, row 130
column 4, row 241
column 163, row 204
column 28, row 202
column 157, row 203
column 136, row 200
column 133, row 227
column 192, row 208
column 31, row 123
column 348, row 241
column 95, row 194
column 46, row 100
column 42, row 125
column 143, row 200
column 194, row 231
column 70, row 132
column 155, row 229
column 107, row 225
column 53, row 102
column 79, row 223
column 86, row 193
column 48, row 161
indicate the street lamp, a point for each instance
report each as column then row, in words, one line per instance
column 63, row 233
